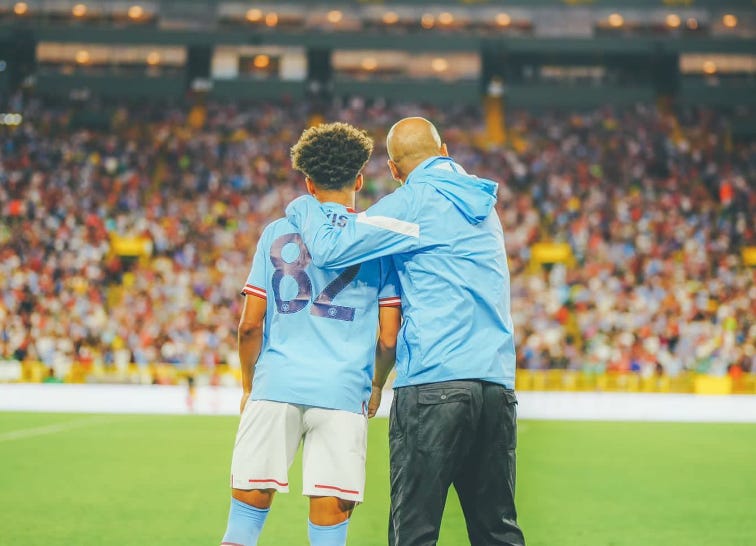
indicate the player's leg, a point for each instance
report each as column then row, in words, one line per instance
column 246, row 517
column 267, row 440
column 329, row 520
column 486, row 480
column 333, row 469
column 429, row 433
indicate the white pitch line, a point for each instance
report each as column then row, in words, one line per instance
column 51, row 429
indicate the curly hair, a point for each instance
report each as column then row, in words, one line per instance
column 331, row 154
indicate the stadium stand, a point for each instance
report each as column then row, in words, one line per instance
column 144, row 146
column 128, row 244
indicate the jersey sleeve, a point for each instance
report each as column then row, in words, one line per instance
column 258, row 275
column 388, row 227
column 389, row 294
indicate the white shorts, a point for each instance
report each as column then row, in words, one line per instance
column 333, row 457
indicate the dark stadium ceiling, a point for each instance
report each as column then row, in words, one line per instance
column 578, row 19
column 637, row 4
column 498, row 3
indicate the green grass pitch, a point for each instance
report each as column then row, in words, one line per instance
column 79, row 480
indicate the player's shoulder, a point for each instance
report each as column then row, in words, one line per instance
column 272, row 231
column 277, row 227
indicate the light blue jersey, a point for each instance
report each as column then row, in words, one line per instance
column 321, row 325
column 448, row 249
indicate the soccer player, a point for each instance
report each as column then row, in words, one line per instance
column 453, row 418
column 307, row 342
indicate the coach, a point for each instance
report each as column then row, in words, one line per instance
column 453, row 419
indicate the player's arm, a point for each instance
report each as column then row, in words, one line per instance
column 388, row 227
column 389, row 322
column 390, row 319
column 250, row 336
column 250, row 332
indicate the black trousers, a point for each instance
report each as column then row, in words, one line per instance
column 456, row 432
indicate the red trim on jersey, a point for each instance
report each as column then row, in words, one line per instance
column 350, row 491
column 393, row 301
column 253, row 287
column 252, row 290
column 268, row 480
column 350, row 209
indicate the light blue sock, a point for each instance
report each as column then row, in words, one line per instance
column 244, row 524
column 327, row 535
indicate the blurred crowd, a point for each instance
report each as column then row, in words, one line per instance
column 655, row 206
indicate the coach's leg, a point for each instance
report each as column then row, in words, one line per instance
column 246, row 517
column 486, row 481
column 329, row 519
column 429, row 431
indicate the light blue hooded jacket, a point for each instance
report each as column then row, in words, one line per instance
column 447, row 244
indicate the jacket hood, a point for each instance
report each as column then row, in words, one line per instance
column 474, row 197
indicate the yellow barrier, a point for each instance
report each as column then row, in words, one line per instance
column 707, row 384
column 526, row 380
column 571, row 380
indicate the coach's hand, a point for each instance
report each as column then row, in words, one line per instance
column 375, row 400
column 244, row 399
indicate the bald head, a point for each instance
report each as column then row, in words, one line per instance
column 410, row 142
